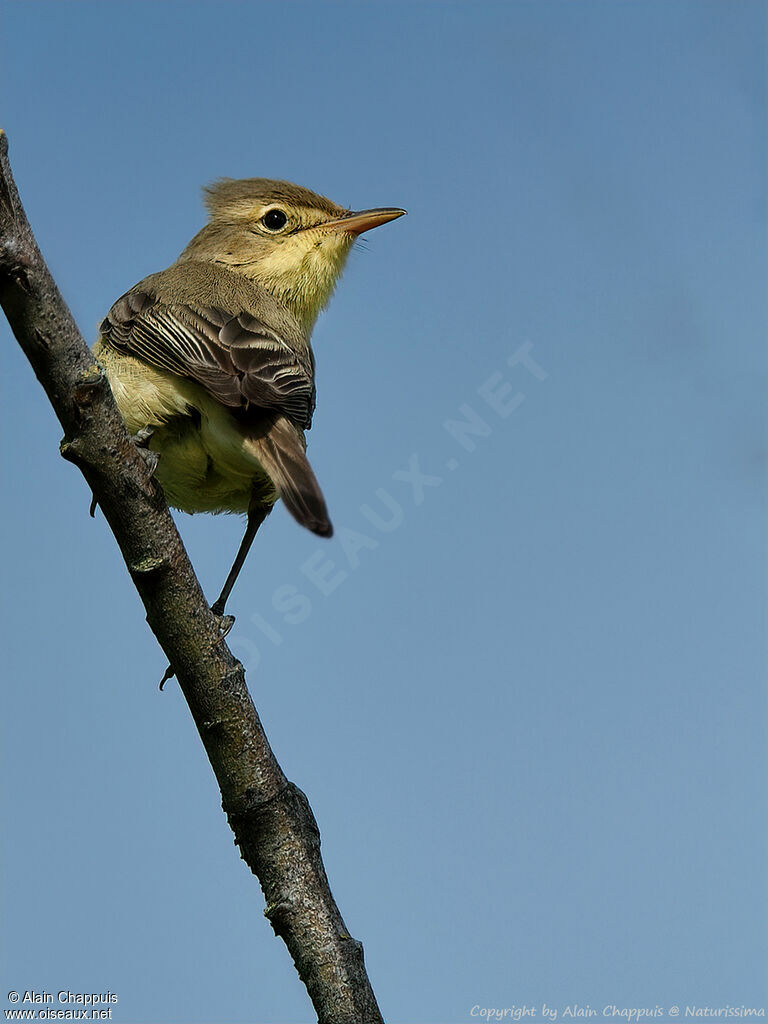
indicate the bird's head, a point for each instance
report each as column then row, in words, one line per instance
column 291, row 241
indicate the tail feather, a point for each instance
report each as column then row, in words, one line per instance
column 280, row 450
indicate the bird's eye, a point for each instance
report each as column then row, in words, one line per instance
column 274, row 220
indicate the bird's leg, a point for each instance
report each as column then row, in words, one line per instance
column 256, row 516
column 257, row 513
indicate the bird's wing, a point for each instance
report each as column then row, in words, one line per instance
column 238, row 358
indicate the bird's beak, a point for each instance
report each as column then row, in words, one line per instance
column 363, row 220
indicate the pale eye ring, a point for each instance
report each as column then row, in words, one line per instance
column 275, row 219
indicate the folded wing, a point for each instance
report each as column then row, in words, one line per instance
column 238, row 358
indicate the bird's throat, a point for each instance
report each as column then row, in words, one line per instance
column 305, row 288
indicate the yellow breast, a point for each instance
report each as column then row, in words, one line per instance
column 206, row 463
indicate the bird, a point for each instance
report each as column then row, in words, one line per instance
column 210, row 361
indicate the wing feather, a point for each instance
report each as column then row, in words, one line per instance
column 237, row 358
column 281, row 451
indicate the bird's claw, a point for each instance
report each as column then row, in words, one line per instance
column 141, row 439
column 168, row 674
column 226, row 623
column 150, row 458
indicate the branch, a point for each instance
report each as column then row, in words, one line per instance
column 270, row 817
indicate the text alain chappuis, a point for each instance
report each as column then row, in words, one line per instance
column 63, row 1005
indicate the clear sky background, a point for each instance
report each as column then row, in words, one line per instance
column 530, row 715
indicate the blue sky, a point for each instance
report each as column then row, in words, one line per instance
column 526, row 698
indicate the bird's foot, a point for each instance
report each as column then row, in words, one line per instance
column 151, row 458
column 141, row 439
column 226, row 623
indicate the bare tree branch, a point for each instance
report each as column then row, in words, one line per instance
column 270, row 817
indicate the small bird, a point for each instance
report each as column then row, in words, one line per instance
column 210, row 361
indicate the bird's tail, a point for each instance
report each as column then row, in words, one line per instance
column 280, row 450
